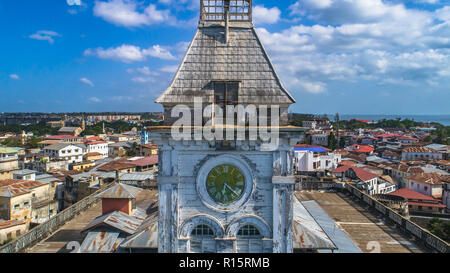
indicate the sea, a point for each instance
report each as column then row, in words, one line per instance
column 442, row 119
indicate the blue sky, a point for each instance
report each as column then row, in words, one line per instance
column 347, row 56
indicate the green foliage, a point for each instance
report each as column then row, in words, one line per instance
column 31, row 142
column 120, row 126
column 332, row 142
column 439, row 228
column 93, row 130
column 39, row 129
column 342, row 142
column 6, row 242
column 133, row 150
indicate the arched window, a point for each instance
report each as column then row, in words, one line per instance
column 249, row 231
column 202, row 230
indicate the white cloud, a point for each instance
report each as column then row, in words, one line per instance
column 74, row 2
column 130, row 53
column 14, row 77
column 94, row 100
column 169, row 69
column 262, row 15
column 370, row 40
column 45, row 35
column 87, row 81
column 129, row 13
column 143, row 79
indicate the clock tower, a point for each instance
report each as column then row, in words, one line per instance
column 225, row 151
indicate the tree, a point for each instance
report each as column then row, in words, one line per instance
column 342, row 142
column 332, row 141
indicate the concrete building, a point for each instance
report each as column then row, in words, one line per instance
column 65, row 151
column 319, row 139
column 420, row 153
column 9, row 162
column 25, row 174
column 72, row 131
column 421, row 203
column 10, row 230
column 426, row 183
column 100, row 147
column 315, row 159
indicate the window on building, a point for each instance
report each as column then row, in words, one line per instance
column 202, row 230
column 249, row 231
column 9, row 236
column 226, row 93
column 16, row 206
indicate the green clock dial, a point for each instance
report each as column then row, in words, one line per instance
column 225, row 184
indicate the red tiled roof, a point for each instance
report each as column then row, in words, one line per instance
column 412, row 195
column 146, row 161
column 428, row 178
column 427, row 204
column 60, row 137
column 347, row 163
column 362, row 148
column 360, row 173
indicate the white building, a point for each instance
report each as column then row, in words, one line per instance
column 100, row 147
column 313, row 159
column 420, row 153
column 426, row 183
column 72, row 153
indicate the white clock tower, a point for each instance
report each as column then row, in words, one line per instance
column 226, row 196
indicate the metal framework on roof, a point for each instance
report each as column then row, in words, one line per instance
column 215, row 10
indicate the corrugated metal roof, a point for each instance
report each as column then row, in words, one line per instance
column 120, row 191
column 146, row 236
column 119, row 221
column 101, row 242
column 339, row 238
column 307, row 232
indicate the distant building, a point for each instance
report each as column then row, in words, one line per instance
column 309, row 158
column 418, row 202
column 319, row 139
column 147, row 150
column 367, row 180
column 9, row 162
column 73, row 131
column 119, row 149
column 25, row 174
column 420, row 153
column 426, row 183
column 65, row 151
column 145, row 137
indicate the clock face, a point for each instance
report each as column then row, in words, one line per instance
column 225, row 184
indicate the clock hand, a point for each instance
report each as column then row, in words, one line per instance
column 231, row 189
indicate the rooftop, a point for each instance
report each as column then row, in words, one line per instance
column 360, row 225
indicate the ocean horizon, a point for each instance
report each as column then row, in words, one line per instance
column 442, row 119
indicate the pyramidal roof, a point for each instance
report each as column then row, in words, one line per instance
column 211, row 58
column 120, row 191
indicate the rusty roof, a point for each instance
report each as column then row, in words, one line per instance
column 146, row 235
column 120, row 191
column 307, row 232
column 14, row 187
column 101, row 242
column 119, row 221
column 11, row 223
